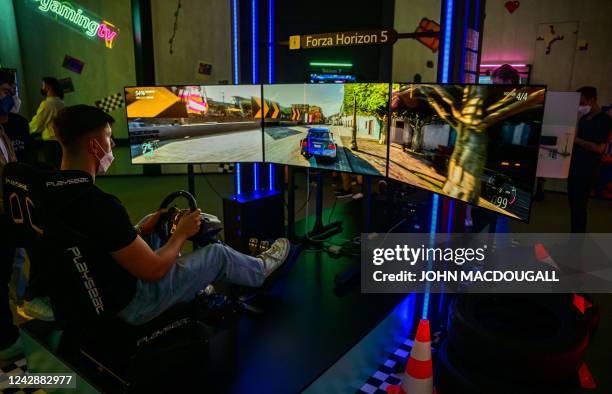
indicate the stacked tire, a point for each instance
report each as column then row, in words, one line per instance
column 517, row 343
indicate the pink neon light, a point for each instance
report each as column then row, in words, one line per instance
column 499, row 65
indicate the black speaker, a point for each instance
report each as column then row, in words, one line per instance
column 258, row 215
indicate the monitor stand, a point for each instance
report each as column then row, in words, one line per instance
column 344, row 279
column 320, row 232
column 191, row 189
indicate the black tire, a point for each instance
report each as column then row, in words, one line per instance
column 592, row 314
column 526, row 337
column 453, row 377
column 449, row 379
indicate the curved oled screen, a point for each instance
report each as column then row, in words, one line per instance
column 339, row 127
column 194, row 124
column 475, row 143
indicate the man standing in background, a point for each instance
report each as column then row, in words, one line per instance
column 41, row 124
column 593, row 133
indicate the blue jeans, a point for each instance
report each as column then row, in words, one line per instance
column 191, row 273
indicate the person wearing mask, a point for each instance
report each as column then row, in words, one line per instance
column 29, row 305
column 10, row 345
column 15, row 126
column 146, row 281
column 41, row 123
column 593, row 134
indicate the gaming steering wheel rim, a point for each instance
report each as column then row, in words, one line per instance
column 165, row 223
column 193, row 205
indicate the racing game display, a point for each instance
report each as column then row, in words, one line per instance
column 475, row 143
column 341, row 127
column 194, row 124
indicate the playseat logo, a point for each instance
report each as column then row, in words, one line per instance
column 89, row 284
column 16, row 184
column 73, row 181
column 162, row 331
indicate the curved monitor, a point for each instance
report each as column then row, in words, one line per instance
column 194, row 124
column 338, row 127
column 475, row 143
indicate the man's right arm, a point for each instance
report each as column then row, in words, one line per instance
column 144, row 263
column 595, row 147
column 600, row 140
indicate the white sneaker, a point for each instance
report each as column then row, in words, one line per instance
column 38, row 308
column 276, row 255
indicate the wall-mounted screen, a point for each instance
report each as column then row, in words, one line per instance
column 341, row 127
column 194, row 124
column 475, row 143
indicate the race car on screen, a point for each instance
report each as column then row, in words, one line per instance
column 319, row 142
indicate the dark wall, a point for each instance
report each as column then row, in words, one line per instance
column 370, row 63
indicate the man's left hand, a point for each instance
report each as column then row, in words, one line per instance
column 148, row 226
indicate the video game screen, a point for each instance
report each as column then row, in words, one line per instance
column 194, row 124
column 341, row 127
column 475, row 143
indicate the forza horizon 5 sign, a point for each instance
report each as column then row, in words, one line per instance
column 78, row 19
column 343, row 39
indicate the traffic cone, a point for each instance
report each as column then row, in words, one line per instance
column 418, row 377
column 581, row 303
column 543, row 257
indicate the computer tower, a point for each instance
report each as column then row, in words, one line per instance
column 258, row 215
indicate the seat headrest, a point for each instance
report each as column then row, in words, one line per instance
column 22, row 175
column 26, row 189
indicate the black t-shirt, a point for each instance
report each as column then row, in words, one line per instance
column 18, row 130
column 103, row 220
column 585, row 163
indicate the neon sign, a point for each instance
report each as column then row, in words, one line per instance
column 80, row 20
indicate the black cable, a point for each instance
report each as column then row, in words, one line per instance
column 332, row 211
column 307, row 200
column 210, row 184
column 220, row 235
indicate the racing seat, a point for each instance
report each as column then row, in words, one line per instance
column 111, row 354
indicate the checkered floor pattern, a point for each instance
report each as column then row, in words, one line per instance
column 18, row 367
column 389, row 373
column 392, row 371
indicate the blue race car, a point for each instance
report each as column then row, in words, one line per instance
column 319, row 142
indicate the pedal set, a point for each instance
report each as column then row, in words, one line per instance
column 257, row 246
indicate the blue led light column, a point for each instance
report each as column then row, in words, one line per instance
column 457, row 17
column 255, row 40
column 446, row 43
column 255, row 176
column 271, row 175
column 255, row 70
column 443, row 76
column 235, row 38
column 235, row 70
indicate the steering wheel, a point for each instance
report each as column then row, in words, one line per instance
column 166, row 225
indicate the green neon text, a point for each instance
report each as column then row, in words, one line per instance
column 90, row 26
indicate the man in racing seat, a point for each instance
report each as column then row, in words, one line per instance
column 145, row 282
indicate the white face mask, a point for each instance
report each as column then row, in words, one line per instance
column 105, row 161
column 584, row 109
